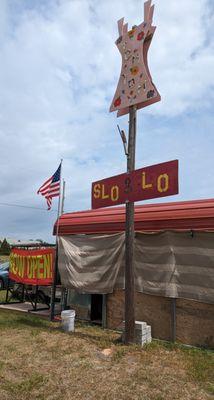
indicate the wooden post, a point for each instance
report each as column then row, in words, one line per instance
column 173, row 320
column 129, row 266
column 104, row 316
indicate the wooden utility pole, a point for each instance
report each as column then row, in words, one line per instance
column 129, row 252
column 135, row 90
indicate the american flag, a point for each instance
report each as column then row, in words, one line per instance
column 51, row 188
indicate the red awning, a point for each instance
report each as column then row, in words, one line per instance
column 185, row 215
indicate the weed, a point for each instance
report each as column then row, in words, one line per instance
column 210, row 388
column 1, row 365
column 201, row 364
column 119, row 353
column 25, row 386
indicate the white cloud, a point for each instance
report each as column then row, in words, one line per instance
column 59, row 69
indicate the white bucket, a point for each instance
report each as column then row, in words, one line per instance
column 68, row 317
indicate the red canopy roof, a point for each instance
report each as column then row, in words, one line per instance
column 195, row 215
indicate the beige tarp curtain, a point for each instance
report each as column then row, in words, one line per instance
column 170, row 264
column 90, row 263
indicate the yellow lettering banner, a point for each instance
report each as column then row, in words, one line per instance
column 33, row 267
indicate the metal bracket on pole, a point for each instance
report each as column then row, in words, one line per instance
column 124, row 140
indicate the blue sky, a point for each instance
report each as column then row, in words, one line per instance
column 58, row 73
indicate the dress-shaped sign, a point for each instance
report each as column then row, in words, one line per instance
column 135, row 86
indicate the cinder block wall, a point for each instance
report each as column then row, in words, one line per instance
column 194, row 320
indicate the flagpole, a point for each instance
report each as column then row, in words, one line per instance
column 55, row 271
column 64, row 290
column 63, row 197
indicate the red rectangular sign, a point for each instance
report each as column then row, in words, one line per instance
column 33, row 267
column 158, row 180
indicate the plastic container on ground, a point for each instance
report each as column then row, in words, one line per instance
column 68, row 317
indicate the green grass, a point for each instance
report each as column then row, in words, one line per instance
column 17, row 320
column 4, row 258
column 25, row 385
column 2, row 295
column 38, row 361
column 201, row 367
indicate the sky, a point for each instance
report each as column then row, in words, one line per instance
column 58, row 74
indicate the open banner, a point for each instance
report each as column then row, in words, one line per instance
column 33, row 267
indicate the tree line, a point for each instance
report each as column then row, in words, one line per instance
column 4, row 248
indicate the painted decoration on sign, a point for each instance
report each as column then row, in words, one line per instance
column 135, row 86
column 33, row 267
column 151, row 182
